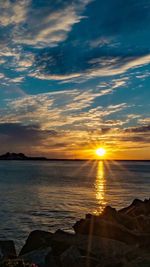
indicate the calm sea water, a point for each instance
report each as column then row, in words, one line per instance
column 51, row 195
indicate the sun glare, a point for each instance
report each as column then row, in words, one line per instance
column 100, row 152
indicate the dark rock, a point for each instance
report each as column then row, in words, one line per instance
column 103, row 228
column 111, row 215
column 110, row 239
column 137, row 208
column 61, row 241
column 111, row 262
column 36, row 239
column 93, row 246
column 50, row 260
column 7, row 250
column 139, row 262
column 73, row 258
column 132, row 255
column 15, row 263
column 40, row 257
column 70, row 257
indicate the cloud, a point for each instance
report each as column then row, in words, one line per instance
column 32, row 46
column 51, row 67
column 97, row 50
column 43, row 76
column 51, row 30
column 30, row 137
column 64, row 110
column 53, row 26
column 2, row 76
column 144, row 121
column 103, row 42
column 13, row 12
column 45, row 124
column 138, row 129
column 116, row 66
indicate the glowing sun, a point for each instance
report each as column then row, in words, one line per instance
column 100, row 152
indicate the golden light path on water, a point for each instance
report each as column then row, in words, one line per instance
column 100, row 187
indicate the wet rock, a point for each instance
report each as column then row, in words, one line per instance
column 139, row 262
column 137, row 208
column 112, row 215
column 110, row 239
column 93, row 246
column 40, row 257
column 112, row 262
column 15, row 263
column 51, row 260
column 103, row 228
column 7, row 250
column 61, row 241
column 132, row 254
column 37, row 239
column 72, row 257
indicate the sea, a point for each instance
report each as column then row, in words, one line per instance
column 51, row 195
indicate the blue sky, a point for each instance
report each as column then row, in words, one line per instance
column 74, row 75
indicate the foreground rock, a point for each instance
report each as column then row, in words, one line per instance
column 99, row 227
column 112, row 239
column 130, row 225
column 36, row 240
column 7, row 250
column 40, row 257
column 82, row 249
column 73, row 257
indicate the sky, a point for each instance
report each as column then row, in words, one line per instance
column 74, row 76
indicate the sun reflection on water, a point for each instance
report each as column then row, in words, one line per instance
column 100, row 185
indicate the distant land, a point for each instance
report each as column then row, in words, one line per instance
column 22, row 156
column 19, row 156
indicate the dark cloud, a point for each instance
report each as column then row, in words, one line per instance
column 24, row 134
column 136, row 139
column 105, row 130
column 140, row 129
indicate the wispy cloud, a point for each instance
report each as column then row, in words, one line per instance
column 60, row 110
column 52, row 28
column 98, row 67
column 13, row 12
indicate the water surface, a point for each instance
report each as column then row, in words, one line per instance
column 49, row 195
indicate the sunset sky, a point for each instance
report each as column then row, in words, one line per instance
column 74, row 76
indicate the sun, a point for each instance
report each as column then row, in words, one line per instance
column 100, row 152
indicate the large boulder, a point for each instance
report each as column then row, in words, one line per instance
column 139, row 262
column 112, row 215
column 138, row 207
column 61, row 241
column 15, row 263
column 111, row 262
column 138, row 224
column 40, row 257
column 103, row 228
column 88, row 246
column 36, row 240
column 73, row 258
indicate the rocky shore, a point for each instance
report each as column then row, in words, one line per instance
column 111, row 239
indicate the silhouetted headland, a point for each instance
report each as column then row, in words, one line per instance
column 110, row 239
column 22, row 156
column 19, row 156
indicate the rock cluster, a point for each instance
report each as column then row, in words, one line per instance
column 111, row 239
